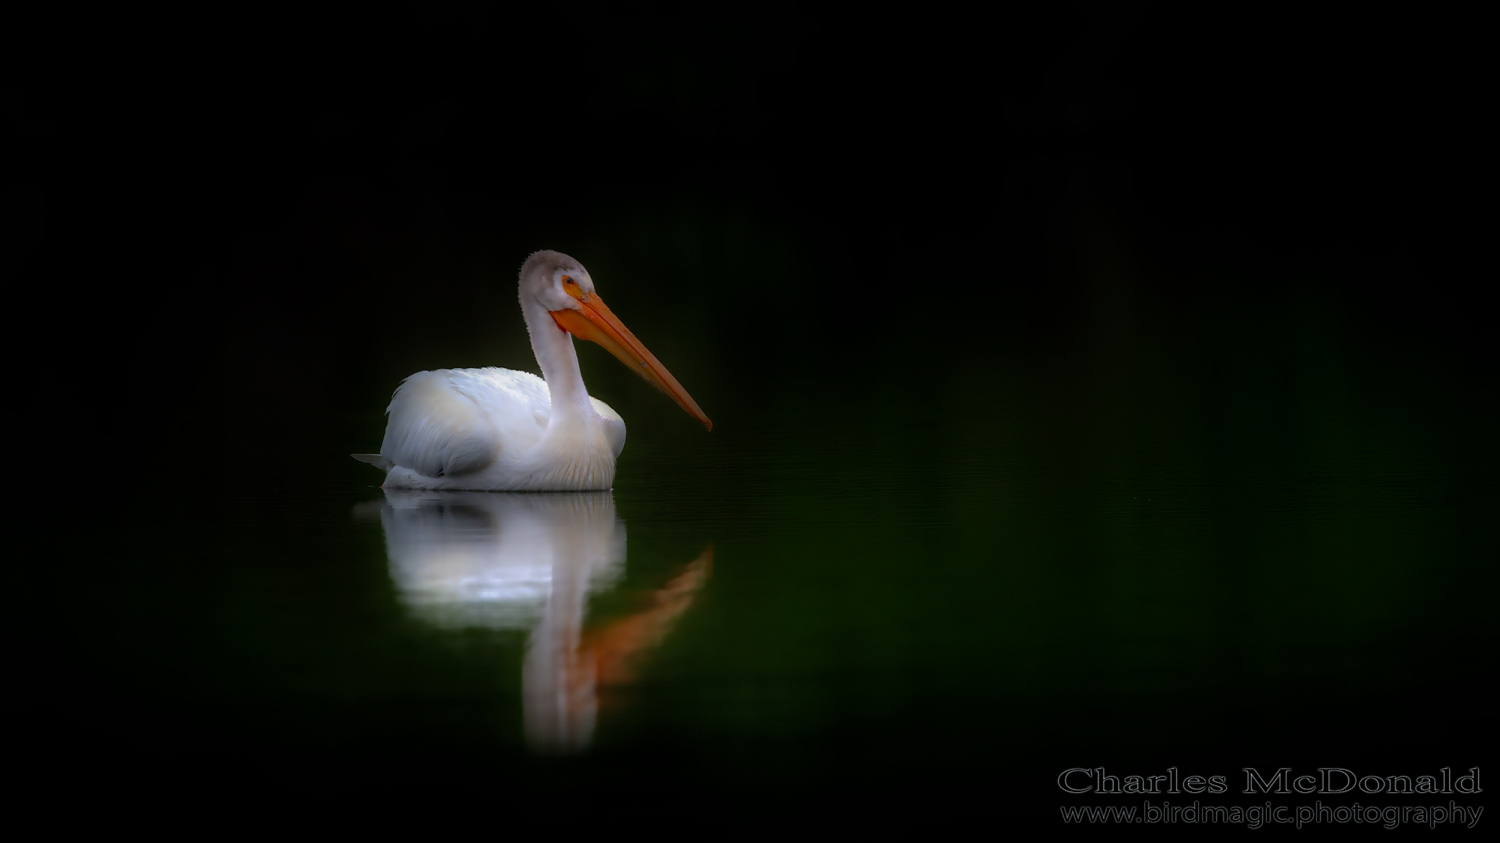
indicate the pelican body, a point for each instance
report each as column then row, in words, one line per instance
column 502, row 430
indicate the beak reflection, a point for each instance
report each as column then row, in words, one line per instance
column 530, row 562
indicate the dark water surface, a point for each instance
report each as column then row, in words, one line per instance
column 1216, row 543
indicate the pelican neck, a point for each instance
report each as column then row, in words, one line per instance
column 554, row 352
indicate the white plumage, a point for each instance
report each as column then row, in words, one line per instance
column 502, row 430
column 482, row 428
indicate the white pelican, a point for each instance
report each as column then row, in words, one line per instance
column 502, row 430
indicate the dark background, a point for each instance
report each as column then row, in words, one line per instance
column 216, row 223
column 198, row 190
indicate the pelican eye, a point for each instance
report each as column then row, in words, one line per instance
column 567, row 280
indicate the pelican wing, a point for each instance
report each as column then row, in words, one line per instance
column 452, row 422
column 614, row 426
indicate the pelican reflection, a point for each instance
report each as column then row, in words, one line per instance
column 530, row 562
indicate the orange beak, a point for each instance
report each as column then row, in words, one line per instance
column 594, row 322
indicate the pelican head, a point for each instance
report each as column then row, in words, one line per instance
column 547, row 276
column 565, row 290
